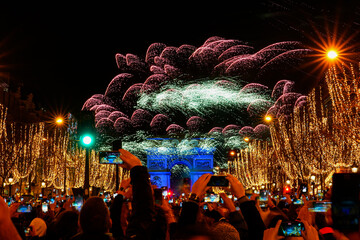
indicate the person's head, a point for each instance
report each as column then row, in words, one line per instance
column 195, row 232
column 38, row 227
column 66, row 224
column 225, row 230
column 95, row 216
column 160, row 225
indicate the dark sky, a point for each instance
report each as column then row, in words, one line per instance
column 65, row 53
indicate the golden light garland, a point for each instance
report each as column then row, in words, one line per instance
column 29, row 152
column 323, row 135
column 254, row 165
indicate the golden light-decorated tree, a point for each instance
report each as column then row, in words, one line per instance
column 256, row 165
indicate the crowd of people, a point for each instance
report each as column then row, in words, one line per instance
column 136, row 212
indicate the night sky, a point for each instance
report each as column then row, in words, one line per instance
column 65, row 53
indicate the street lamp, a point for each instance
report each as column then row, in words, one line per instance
column 43, row 186
column 11, row 180
column 313, row 184
column 232, row 156
column 59, row 120
column 332, row 54
column 232, row 153
column 354, row 168
column 268, row 118
column 246, row 139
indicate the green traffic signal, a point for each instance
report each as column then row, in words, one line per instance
column 87, row 140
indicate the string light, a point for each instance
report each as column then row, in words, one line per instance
column 24, row 152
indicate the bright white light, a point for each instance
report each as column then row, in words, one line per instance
column 332, row 54
column 87, row 140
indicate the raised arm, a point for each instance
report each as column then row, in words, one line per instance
column 143, row 203
column 7, row 228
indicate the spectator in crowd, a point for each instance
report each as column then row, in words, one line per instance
column 134, row 214
column 94, row 220
column 37, row 229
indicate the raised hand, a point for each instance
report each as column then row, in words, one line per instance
column 228, row 203
column 7, row 228
column 235, row 186
column 129, row 159
column 272, row 233
column 310, row 232
column 200, row 186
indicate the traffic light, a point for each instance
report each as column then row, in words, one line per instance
column 287, row 190
column 86, row 128
column 87, row 140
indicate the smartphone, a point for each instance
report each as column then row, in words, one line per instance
column 303, row 188
column 205, row 207
column 282, row 198
column 298, row 202
column 24, row 208
column 263, row 204
column 319, row 206
column 218, row 181
column 78, row 203
column 158, row 195
column 345, row 202
column 110, row 157
column 212, row 197
column 27, row 231
column 264, row 195
column 291, row 229
column 45, row 207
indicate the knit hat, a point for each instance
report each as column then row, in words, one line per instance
column 39, row 227
column 225, row 230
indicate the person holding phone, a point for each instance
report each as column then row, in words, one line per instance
column 116, row 213
column 140, row 222
column 235, row 218
column 7, row 228
column 251, row 215
column 310, row 232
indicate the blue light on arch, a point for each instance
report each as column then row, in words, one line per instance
column 165, row 153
